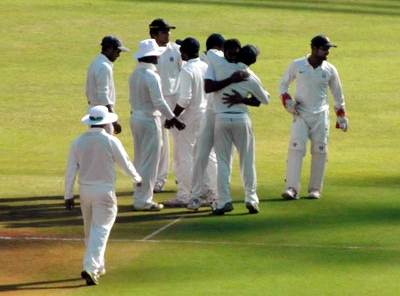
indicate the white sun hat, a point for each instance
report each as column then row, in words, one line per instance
column 99, row 115
column 149, row 47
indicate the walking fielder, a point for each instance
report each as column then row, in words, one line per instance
column 310, row 109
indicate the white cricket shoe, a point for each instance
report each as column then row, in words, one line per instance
column 290, row 194
column 314, row 194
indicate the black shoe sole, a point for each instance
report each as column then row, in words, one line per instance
column 227, row 208
column 252, row 209
column 89, row 280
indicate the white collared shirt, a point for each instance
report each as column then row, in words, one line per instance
column 100, row 89
column 94, row 154
column 145, row 95
column 312, row 84
column 192, row 95
column 212, row 55
column 252, row 86
column 169, row 65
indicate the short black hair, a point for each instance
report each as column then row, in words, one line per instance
column 215, row 40
column 190, row 46
column 248, row 54
column 232, row 44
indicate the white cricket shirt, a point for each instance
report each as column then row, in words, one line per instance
column 100, row 89
column 311, row 85
column 94, row 154
column 212, row 54
column 169, row 65
column 192, row 95
column 252, row 86
column 145, row 94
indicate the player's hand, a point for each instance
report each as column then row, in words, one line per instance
column 168, row 124
column 69, row 204
column 232, row 99
column 239, row 76
column 178, row 124
column 342, row 123
column 117, row 127
column 289, row 104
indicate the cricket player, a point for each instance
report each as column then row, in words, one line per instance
column 93, row 154
column 310, row 109
column 204, row 174
column 190, row 108
column 100, row 87
column 169, row 65
column 147, row 104
column 233, row 127
column 204, row 151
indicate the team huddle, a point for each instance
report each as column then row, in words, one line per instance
column 201, row 101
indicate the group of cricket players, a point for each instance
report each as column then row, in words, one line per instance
column 200, row 101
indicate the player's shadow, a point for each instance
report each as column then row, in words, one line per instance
column 45, row 285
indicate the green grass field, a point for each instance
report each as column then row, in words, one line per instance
column 347, row 243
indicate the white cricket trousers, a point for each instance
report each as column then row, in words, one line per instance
column 163, row 165
column 316, row 128
column 146, row 132
column 184, row 145
column 204, row 176
column 99, row 210
column 235, row 129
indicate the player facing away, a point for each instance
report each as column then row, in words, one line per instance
column 94, row 154
column 310, row 110
column 147, row 105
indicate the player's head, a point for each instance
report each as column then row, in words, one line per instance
column 159, row 30
column 149, row 51
column 231, row 50
column 320, row 46
column 111, row 47
column 189, row 48
column 248, row 54
column 215, row 41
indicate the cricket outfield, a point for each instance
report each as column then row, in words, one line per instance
column 347, row 243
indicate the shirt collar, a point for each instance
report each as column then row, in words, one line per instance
column 105, row 59
column 193, row 60
column 142, row 65
column 242, row 66
column 96, row 129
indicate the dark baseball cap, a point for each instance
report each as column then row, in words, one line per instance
column 322, row 41
column 160, row 24
column 114, row 42
column 190, row 45
column 215, row 40
column 248, row 54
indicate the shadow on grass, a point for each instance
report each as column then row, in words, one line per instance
column 359, row 7
column 44, row 285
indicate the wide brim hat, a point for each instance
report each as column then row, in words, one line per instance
column 99, row 115
column 149, row 47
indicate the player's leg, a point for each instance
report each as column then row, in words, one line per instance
column 223, row 148
column 204, row 175
column 147, row 142
column 162, row 170
column 243, row 140
column 319, row 149
column 296, row 152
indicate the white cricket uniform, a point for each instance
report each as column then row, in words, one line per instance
column 147, row 103
column 168, row 66
column 233, row 127
column 312, row 122
column 204, row 177
column 94, row 154
column 100, row 88
column 192, row 97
